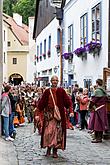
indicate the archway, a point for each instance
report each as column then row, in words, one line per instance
column 15, row 79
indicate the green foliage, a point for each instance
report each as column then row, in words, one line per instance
column 26, row 8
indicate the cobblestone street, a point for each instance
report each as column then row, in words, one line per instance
column 79, row 151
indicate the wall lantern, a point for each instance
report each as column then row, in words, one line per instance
column 56, row 69
column 56, row 3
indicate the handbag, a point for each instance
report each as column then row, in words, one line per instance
column 56, row 115
column 48, row 115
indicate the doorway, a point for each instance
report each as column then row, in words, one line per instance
column 15, row 79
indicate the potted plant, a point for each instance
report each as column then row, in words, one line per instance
column 68, row 55
column 44, row 55
column 37, row 58
column 81, row 52
column 57, row 48
column 49, row 53
column 93, row 47
column 40, row 57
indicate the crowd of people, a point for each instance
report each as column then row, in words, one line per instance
column 53, row 110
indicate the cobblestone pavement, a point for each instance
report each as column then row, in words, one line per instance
column 79, row 151
column 8, row 155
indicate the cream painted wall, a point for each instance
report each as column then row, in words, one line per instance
column 16, row 50
column 15, row 44
column 20, row 67
column 5, row 29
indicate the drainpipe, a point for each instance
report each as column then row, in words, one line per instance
column 59, row 16
column 61, row 62
column 1, row 52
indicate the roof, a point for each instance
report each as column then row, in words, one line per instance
column 21, row 32
column 48, row 14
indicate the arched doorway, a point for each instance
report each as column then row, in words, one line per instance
column 15, row 79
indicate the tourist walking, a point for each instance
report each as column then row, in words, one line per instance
column 52, row 103
column 83, row 102
column 6, row 111
column 13, row 99
column 38, row 115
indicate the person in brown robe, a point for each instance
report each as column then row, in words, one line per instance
column 54, row 131
column 98, row 118
column 38, row 115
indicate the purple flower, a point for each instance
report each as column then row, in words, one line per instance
column 43, row 54
column 80, row 51
column 57, row 46
column 92, row 45
column 67, row 55
column 48, row 53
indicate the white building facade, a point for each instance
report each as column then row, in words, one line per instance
column 85, row 21
column 5, row 41
column 47, row 58
column 31, row 64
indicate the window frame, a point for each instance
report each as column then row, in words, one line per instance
column 70, row 38
column 95, row 32
column 14, row 61
column 84, row 29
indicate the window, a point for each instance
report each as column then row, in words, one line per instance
column 50, row 72
column 40, row 51
column 37, row 50
column 45, row 49
column 40, row 48
column 14, row 60
column 4, row 35
column 87, row 84
column 49, row 47
column 9, row 43
column 45, row 46
column 47, row 3
column 58, row 36
column 84, row 30
column 96, row 23
column 49, row 42
column 4, row 58
column 70, row 38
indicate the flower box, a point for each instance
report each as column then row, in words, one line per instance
column 57, row 48
column 49, row 53
column 44, row 55
column 93, row 47
column 37, row 58
column 68, row 55
column 40, row 57
column 80, row 51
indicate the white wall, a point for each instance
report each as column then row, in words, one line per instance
column 92, row 67
column 5, row 76
column 49, row 63
column 32, row 51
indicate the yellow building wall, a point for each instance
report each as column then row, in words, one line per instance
column 15, row 43
column 20, row 67
column 19, row 51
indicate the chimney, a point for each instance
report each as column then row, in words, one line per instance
column 17, row 18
